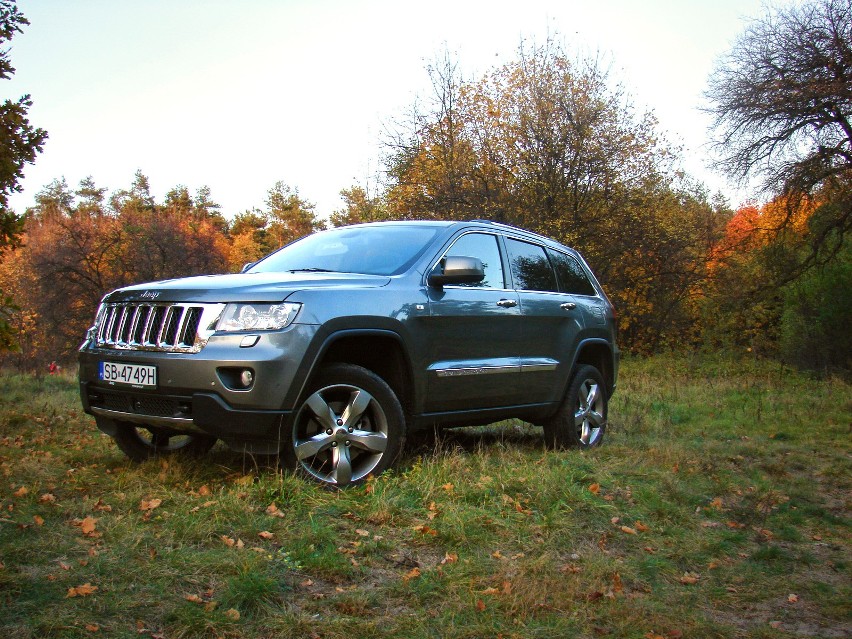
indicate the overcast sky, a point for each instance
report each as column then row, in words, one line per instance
column 237, row 95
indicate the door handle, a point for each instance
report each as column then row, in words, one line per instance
column 507, row 303
column 568, row 306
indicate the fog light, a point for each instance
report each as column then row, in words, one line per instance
column 246, row 378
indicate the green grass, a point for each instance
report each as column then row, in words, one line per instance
column 723, row 488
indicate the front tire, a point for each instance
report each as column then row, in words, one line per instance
column 349, row 426
column 141, row 444
column 581, row 420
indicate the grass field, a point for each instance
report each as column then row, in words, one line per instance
column 719, row 506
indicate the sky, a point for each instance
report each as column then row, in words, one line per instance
column 238, row 95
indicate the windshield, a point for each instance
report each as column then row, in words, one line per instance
column 372, row 250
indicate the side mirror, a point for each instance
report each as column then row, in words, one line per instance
column 455, row 269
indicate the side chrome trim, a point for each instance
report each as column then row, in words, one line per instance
column 475, row 370
column 531, row 365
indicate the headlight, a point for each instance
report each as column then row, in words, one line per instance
column 257, row 317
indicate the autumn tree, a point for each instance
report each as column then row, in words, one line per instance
column 782, row 106
column 290, row 216
column 78, row 245
column 550, row 143
column 359, row 206
column 20, row 142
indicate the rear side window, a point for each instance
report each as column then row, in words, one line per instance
column 572, row 277
column 531, row 269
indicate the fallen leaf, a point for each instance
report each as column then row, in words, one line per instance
column 39, row 521
column 689, row 578
column 210, row 606
column 595, row 489
column 775, row 624
column 307, row 583
column 362, row 533
column 233, row 614
column 792, row 598
column 265, row 534
column 21, row 492
column 617, row 584
column 204, row 491
column 101, row 506
column 497, row 554
column 229, row 541
column 47, row 498
column 88, row 525
column 640, row 526
column 193, row 598
column 411, row 574
column 628, row 530
column 615, row 520
column 92, row 627
column 449, row 558
column 490, row 591
column 448, row 487
column 425, row 530
column 81, row 591
column 716, row 503
column 150, row 504
column 480, row 605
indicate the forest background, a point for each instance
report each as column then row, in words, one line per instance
column 547, row 141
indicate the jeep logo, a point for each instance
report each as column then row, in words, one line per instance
column 150, row 295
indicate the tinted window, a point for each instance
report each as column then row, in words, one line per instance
column 373, row 250
column 572, row 277
column 483, row 246
column 530, row 267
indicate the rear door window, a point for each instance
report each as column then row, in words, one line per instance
column 572, row 277
column 531, row 269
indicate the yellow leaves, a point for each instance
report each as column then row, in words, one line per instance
column 47, row 498
column 39, row 521
column 81, row 591
column 205, row 491
column 193, row 598
column 233, row 614
column 265, row 534
column 595, row 488
column 449, row 558
column 628, row 530
column 23, row 491
column 792, row 598
column 448, row 487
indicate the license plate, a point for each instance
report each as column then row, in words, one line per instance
column 135, row 375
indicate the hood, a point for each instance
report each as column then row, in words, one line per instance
column 241, row 287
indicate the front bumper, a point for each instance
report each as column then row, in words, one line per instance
column 199, row 392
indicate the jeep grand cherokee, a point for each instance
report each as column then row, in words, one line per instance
column 329, row 351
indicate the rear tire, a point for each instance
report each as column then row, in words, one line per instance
column 581, row 420
column 349, row 426
column 142, row 443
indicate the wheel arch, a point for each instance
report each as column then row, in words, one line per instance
column 379, row 351
column 597, row 353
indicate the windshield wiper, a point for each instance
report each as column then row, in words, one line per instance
column 309, row 270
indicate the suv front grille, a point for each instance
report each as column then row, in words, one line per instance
column 143, row 326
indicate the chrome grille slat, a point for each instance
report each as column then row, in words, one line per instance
column 146, row 326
